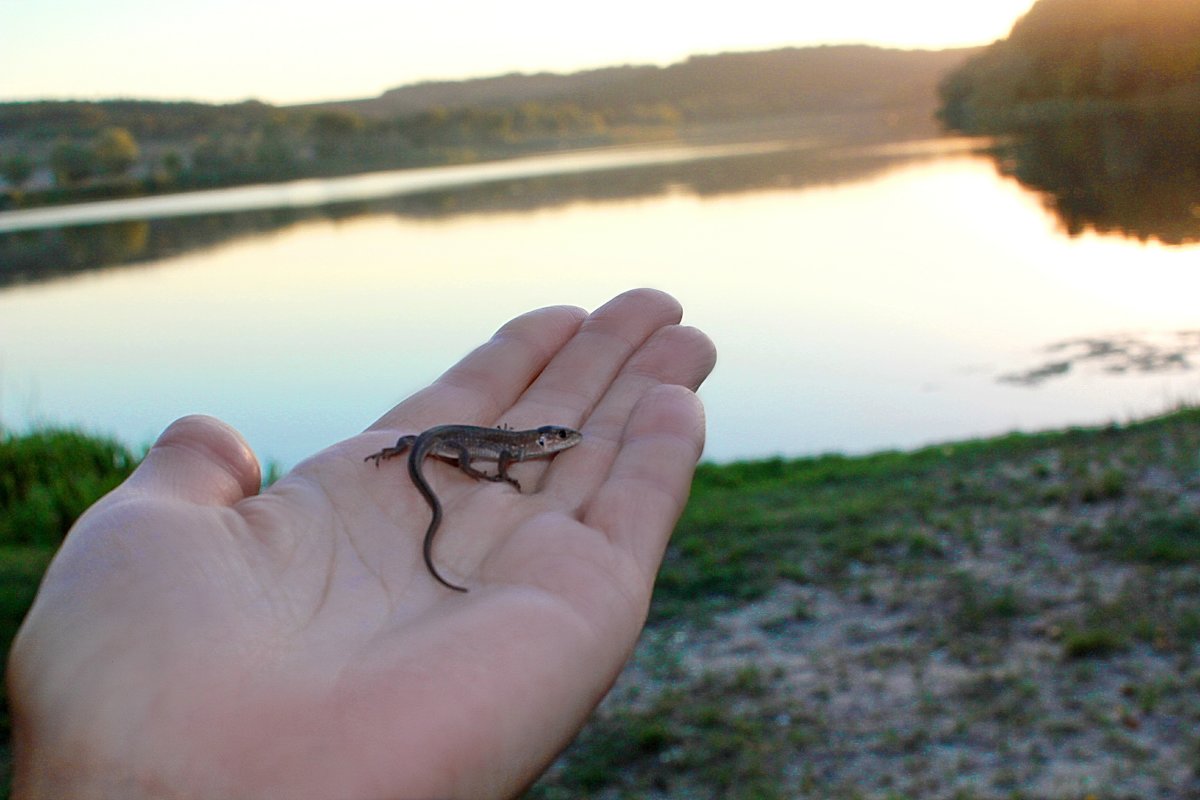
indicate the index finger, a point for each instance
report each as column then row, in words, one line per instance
column 583, row 372
column 489, row 379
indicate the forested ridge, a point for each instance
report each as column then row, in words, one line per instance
column 1077, row 57
column 701, row 87
column 53, row 150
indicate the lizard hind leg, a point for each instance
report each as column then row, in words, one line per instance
column 402, row 444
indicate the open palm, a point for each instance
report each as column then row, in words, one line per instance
column 194, row 638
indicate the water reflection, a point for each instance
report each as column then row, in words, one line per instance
column 1120, row 354
column 38, row 255
column 1134, row 174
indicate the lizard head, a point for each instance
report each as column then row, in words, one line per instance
column 554, row 437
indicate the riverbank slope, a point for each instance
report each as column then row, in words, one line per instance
column 1011, row 617
column 1016, row 616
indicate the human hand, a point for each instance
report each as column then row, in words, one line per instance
column 194, row 638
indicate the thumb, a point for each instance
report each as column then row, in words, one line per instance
column 200, row 460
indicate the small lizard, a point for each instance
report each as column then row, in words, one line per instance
column 462, row 444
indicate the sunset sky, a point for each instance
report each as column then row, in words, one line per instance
column 285, row 52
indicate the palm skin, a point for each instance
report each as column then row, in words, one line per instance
column 194, row 638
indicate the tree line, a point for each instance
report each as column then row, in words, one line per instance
column 109, row 145
column 1100, row 98
column 1077, row 57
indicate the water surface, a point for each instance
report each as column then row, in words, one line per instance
column 859, row 300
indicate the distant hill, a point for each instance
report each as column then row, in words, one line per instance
column 491, row 92
column 831, row 78
column 723, row 86
column 54, row 151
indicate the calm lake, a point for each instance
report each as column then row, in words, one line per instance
column 860, row 298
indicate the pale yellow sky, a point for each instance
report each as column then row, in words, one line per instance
column 285, row 52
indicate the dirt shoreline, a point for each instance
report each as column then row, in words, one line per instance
column 1040, row 641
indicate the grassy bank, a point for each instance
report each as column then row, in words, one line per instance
column 1009, row 618
column 1012, row 617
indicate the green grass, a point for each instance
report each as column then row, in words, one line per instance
column 706, row 742
column 984, row 546
column 49, row 477
column 751, row 524
column 1168, row 536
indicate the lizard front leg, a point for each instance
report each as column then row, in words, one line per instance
column 464, row 464
column 502, row 463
